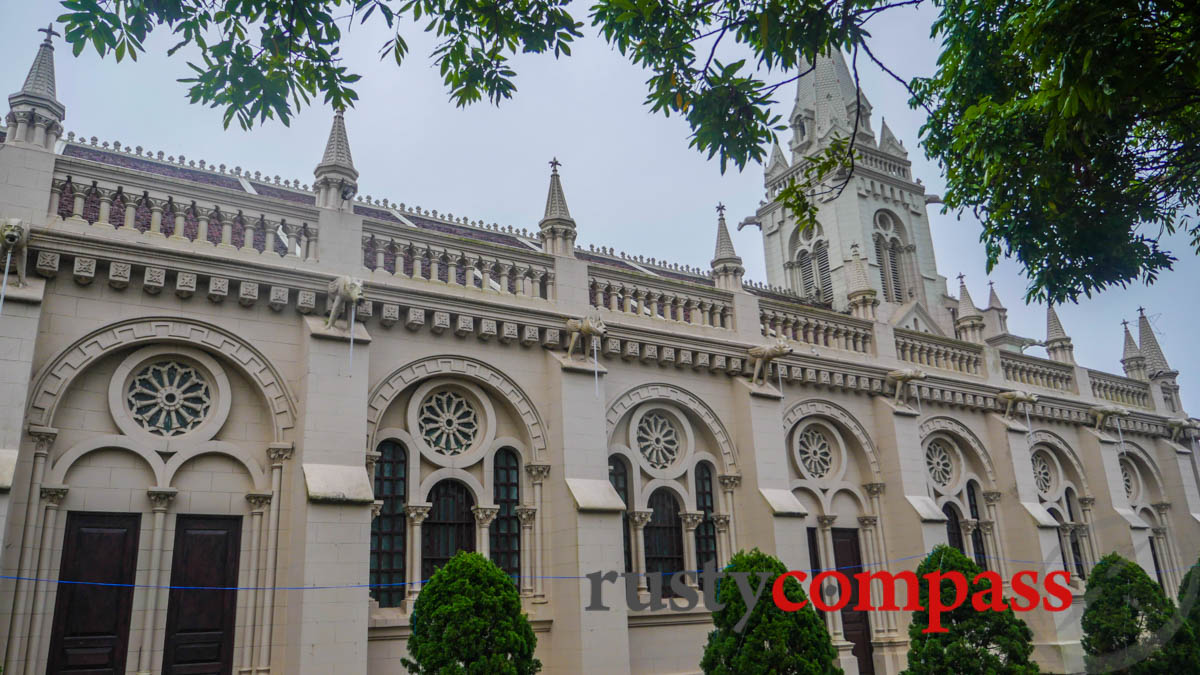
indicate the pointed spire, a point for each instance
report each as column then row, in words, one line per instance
column 889, row 143
column 1054, row 329
column 778, row 163
column 337, row 150
column 966, row 306
column 1131, row 348
column 39, row 93
column 556, row 201
column 828, row 95
column 993, row 299
column 1156, row 362
column 724, row 251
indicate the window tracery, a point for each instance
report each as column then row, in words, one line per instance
column 658, row 440
column 448, row 422
column 169, row 398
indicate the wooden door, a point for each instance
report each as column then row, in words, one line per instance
column 91, row 623
column 200, row 621
column 855, row 624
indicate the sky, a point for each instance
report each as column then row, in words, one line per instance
column 631, row 181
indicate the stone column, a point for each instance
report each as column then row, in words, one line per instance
column 874, row 493
column 729, row 483
column 537, row 475
column 691, row 520
column 415, row 516
column 484, row 515
column 527, row 515
column 278, row 454
column 871, row 560
column 992, row 500
column 638, row 520
column 1089, row 541
column 969, row 525
column 105, row 209
column 53, row 496
column 1064, row 542
column 828, row 562
column 156, row 215
column 721, row 522
column 28, row 559
column 160, row 501
column 259, row 502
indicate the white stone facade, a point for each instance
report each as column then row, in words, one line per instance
column 168, row 356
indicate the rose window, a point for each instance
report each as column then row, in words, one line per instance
column 448, row 422
column 658, row 440
column 937, row 460
column 815, row 453
column 169, row 398
column 1043, row 475
column 1127, row 479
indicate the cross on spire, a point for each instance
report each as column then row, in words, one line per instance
column 554, row 164
column 961, row 276
column 720, row 209
column 1125, row 323
column 1141, row 310
column 49, row 31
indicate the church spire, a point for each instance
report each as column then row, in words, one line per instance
column 1054, row 329
column 1131, row 358
column 969, row 322
column 966, row 306
column 336, row 178
column 727, row 269
column 1156, row 362
column 36, row 114
column 993, row 298
column 827, row 103
column 557, row 226
column 1058, row 345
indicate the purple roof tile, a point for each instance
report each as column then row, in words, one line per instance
column 605, row 260
column 150, row 166
column 684, row 276
column 467, row 232
column 284, row 194
column 378, row 214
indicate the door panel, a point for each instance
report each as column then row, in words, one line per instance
column 855, row 624
column 91, row 623
column 200, row 621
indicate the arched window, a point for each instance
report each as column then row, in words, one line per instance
column 505, row 530
column 450, row 527
column 706, row 532
column 977, row 534
column 618, row 475
column 806, row 272
column 821, row 251
column 388, row 545
column 889, row 256
column 664, row 539
column 1157, row 567
column 810, row 250
column 953, row 528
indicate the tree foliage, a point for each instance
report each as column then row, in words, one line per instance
column 1066, row 126
column 975, row 641
column 1130, row 627
column 468, row 619
column 772, row 640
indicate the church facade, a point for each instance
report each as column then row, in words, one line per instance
column 309, row 399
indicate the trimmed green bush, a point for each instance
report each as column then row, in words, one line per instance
column 1130, row 627
column 772, row 640
column 975, row 641
column 468, row 619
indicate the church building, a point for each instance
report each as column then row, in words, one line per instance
column 310, row 399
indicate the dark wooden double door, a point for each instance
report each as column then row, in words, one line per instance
column 847, row 558
column 91, row 619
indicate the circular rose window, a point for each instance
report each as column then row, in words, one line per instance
column 169, row 398
column 939, row 464
column 658, row 440
column 448, row 422
column 815, row 453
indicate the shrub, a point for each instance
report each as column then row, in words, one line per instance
column 1129, row 625
column 772, row 640
column 468, row 619
column 975, row 641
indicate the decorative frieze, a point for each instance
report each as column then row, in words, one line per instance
column 218, row 288
column 364, row 310
column 306, row 301
column 247, row 293
column 84, row 271
column 464, row 325
column 530, row 335
column 487, row 329
column 153, row 280
column 47, row 264
column 415, row 318
column 389, row 315
column 509, row 331
column 649, row 353
column 119, row 274
column 185, row 284
column 278, row 298
column 441, row 322
column 551, row 338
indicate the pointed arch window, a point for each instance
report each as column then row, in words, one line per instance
column 806, row 272
column 977, row 542
column 1157, row 567
column 706, row 531
column 450, row 527
column 505, row 531
column 889, row 256
column 618, row 475
column 953, row 528
column 388, row 530
column 663, row 539
column 821, row 251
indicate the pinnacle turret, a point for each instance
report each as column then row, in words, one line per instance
column 727, row 269
column 1054, row 329
column 966, row 306
column 36, row 114
column 1131, row 357
column 993, row 298
column 860, row 293
column 1058, row 344
column 969, row 323
column 557, row 225
column 336, row 178
column 1156, row 362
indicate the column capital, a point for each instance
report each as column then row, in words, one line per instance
column 1087, row 502
column 43, row 438
column 376, row 508
column 371, row 459
column 484, row 515
column 54, row 494
column 730, row 481
column 258, row 500
column 1081, row 528
column 526, row 514
column 987, row 526
column 1161, row 507
column 867, row 522
column 161, row 497
column 639, row 518
column 691, row 520
column 874, row 489
column 968, row 525
column 721, row 520
column 992, row 496
column 417, row 514
column 1158, row 531
column 826, row 522
column 537, row 472
column 278, row 452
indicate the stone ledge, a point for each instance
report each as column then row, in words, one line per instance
column 574, row 364
column 31, row 293
column 338, row 484
column 316, row 328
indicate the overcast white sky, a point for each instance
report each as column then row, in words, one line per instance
column 630, row 179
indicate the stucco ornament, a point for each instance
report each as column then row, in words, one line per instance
column 589, row 326
column 764, row 354
column 448, row 422
column 1103, row 412
column 1012, row 398
column 900, row 378
column 344, row 292
column 13, row 237
column 169, row 398
column 658, row 440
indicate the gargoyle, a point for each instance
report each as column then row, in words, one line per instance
column 763, row 355
column 343, row 292
column 1103, row 412
column 1012, row 398
column 1181, row 425
column 589, row 326
column 902, row 377
column 13, row 237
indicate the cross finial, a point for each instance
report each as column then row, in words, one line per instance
column 961, row 276
column 991, row 284
column 1125, row 323
column 49, row 31
column 554, row 164
column 720, row 209
column 1141, row 310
